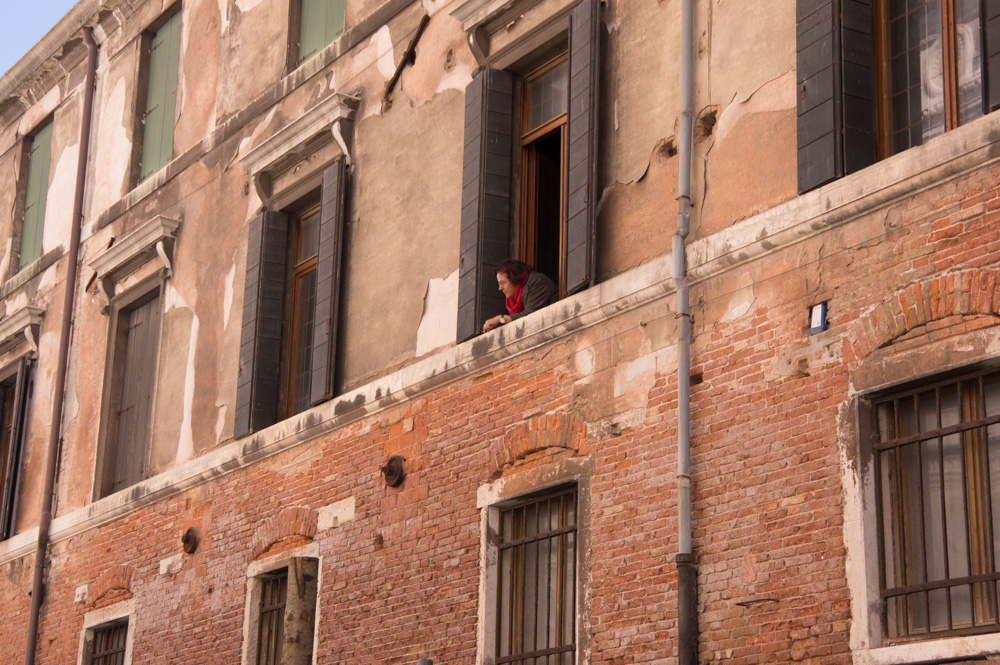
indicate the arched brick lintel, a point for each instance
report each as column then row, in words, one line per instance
column 961, row 293
column 297, row 521
column 115, row 578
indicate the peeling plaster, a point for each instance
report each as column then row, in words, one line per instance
column 111, row 164
column 227, row 295
column 742, row 299
column 5, row 261
column 59, row 215
column 775, row 95
column 185, row 443
column 382, row 40
column 440, row 315
column 224, row 15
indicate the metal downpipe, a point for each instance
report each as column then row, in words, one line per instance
column 687, row 588
column 69, row 299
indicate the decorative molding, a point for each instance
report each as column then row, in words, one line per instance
column 477, row 13
column 23, row 322
column 303, row 136
column 154, row 239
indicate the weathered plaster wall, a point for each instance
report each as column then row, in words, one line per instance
column 403, row 232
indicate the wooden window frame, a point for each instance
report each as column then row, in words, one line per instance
column 122, row 305
column 527, row 228
column 291, row 361
column 883, row 57
column 144, row 45
column 894, row 511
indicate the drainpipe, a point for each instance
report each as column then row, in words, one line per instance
column 69, row 298
column 687, row 590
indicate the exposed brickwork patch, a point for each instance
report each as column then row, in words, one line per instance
column 918, row 304
column 289, row 522
column 552, row 430
column 115, row 578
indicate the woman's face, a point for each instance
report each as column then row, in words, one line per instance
column 508, row 287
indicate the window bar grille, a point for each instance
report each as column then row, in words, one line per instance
column 109, row 645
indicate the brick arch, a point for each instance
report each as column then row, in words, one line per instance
column 297, row 521
column 115, row 578
column 552, row 430
column 962, row 293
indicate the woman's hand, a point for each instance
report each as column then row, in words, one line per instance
column 492, row 323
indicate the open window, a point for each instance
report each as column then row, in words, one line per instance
column 529, row 184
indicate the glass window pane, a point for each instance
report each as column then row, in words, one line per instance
column 547, row 95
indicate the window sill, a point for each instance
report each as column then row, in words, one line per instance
column 33, row 269
column 933, row 651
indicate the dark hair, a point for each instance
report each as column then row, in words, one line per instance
column 512, row 269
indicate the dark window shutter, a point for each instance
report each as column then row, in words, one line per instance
column 992, row 22
column 333, row 210
column 486, row 175
column 581, row 168
column 11, row 463
column 260, row 337
column 818, row 75
column 834, row 69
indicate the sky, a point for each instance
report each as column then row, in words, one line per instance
column 24, row 23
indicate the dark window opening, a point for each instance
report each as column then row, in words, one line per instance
column 109, row 644
column 536, row 580
column 937, row 460
column 271, row 629
column 13, row 401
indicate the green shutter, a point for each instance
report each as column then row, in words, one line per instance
column 322, row 22
column 161, row 97
column 37, row 190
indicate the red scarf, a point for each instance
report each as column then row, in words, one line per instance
column 514, row 305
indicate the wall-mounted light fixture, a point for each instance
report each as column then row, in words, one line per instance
column 394, row 471
column 817, row 318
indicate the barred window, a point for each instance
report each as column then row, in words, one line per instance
column 109, row 644
column 937, row 464
column 536, row 580
column 282, row 614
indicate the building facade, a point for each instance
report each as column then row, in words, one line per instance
column 247, row 249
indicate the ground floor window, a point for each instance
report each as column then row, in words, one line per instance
column 937, row 466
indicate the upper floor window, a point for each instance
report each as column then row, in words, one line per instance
column 931, row 75
column 318, row 23
column 937, row 466
column 161, row 55
column 880, row 76
column 529, row 179
column 39, row 156
column 133, row 350
column 14, row 388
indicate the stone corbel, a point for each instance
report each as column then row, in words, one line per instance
column 478, row 42
column 339, row 138
column 22, row 324
column 151, row 241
